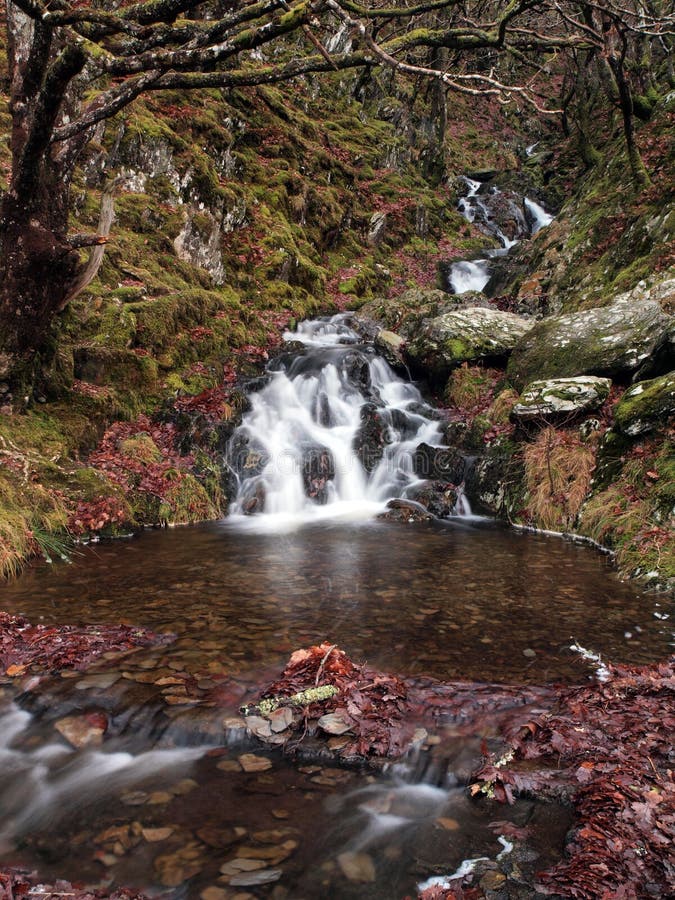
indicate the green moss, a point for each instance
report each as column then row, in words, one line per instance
column 646, row 405
column 141, row 447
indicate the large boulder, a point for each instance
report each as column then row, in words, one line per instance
column 390, row 346
column 466, row 335
column 614, row 340
column 403, row 314
column 437, row 497
column 646, row 406
column 560, row 399
column 438, row 463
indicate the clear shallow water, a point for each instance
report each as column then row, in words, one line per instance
column 457, row 600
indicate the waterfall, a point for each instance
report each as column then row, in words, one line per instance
column 333, row 431
column 488, row 210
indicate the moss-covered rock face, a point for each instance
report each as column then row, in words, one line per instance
column 445, row 342
column 403, row 314
column 615, row 340
column 560, row 399
column 646, row 406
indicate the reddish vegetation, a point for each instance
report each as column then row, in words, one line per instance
column 382, row 710
column 95, row 515
column 45, row 648
column 15, row 885
column 609, row 746
column 154, row 471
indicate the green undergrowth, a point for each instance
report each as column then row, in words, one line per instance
column 633, row 511
column 611, row 234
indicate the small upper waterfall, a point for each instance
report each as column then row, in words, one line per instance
column 333, row 431
column 489, row 210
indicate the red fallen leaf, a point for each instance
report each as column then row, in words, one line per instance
column 652, row 474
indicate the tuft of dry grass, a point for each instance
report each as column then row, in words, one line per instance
column 558, row 469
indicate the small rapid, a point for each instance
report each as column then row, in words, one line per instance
column 525, row 219
column 334, row 431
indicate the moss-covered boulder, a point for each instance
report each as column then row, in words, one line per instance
column 646, row 406
column 403, row 314
column 560, row 399
column 615, row 340
column 467, row 335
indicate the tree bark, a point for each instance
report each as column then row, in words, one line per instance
column 39, row 266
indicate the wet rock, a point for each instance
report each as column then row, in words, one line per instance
column 406, row 426
column 272, row 855
column 214, row 893
column 445, row 342
column 235, row 866
column 355, row 367
column 496, row 482
column 252, row 879
column 365, row 327
column 250, row 762
column 219, row 838
column 438, row 463
column 83, row 731
column 390, row 346
column 246, row 455
column 252, row 496
column 405, row 511
column 613, row 341
column 560, row 399
column 357, row 867
column 318, row 470
column 438, row 497
column 371, row 437
column 154, row 835
column 173, row 869
column 646, row 406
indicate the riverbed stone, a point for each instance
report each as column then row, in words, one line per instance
column 443, row 343
column 357, row 867
column 82, row 731
column 559, row 399
column 613, row 341
column 646, row 406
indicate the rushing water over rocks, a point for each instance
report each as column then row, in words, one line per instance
column 333, row 432
column 500, row 215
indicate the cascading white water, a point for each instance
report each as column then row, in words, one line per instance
column 528, row 219
column 469, row 275
column 333, row 432
column 44, row 782
column 540, row 218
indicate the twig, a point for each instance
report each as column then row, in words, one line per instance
column 323, row 663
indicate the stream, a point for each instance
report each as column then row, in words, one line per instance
column 170, row 802
column 479, row 205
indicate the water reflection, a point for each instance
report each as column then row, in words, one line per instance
column 453, row 600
